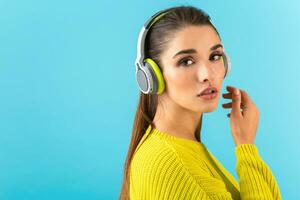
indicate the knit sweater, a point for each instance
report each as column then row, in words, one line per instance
column 169, row 167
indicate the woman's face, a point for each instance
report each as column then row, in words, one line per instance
column 187, row 74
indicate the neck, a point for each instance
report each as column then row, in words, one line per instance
column 176, row 120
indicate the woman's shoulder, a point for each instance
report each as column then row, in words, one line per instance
column 153, row 151
column 156, row 147
column 156, row 155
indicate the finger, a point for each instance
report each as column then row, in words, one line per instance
column 229, row 105
column 227, row 95
column 230, row 88
column 236, row 102
column 246, row 100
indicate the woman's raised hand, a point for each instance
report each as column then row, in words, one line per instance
column 243, row 123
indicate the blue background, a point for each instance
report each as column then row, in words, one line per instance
column 69, row 94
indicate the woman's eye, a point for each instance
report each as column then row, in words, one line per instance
column 185, row 61
column 216, row 57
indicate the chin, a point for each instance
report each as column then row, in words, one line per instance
column 208, row 107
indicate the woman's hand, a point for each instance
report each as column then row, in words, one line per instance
column 243, row 124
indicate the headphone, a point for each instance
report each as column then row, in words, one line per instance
column 148, row 75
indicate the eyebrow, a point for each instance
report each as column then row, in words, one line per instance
column 188, row 51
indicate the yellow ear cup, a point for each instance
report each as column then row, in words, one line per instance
column 157, row 71
column 222, row 59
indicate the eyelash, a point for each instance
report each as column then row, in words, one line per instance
column 188, row 58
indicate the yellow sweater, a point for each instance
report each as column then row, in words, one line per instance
column 168, row 167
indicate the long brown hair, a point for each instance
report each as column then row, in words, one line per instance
column 158, row 37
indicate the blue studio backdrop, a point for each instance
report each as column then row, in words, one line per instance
column 68, row 93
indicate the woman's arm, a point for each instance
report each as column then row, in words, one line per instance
column 256, row 179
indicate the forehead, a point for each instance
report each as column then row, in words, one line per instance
column 200, row 37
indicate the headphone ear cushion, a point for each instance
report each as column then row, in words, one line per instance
column 222, row 59
column 158, row 75
column 227, row 64
column 142, row 77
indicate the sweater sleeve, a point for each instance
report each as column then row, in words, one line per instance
column 256, row 179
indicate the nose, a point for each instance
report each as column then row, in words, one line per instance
column 205, row 73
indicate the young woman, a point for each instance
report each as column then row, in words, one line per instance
column 180, row 68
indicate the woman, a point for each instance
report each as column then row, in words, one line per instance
column 185, row 62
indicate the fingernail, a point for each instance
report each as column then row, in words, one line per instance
column 236, row 91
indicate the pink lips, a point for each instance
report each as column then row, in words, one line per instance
column 207, row 89
column 208, row 96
